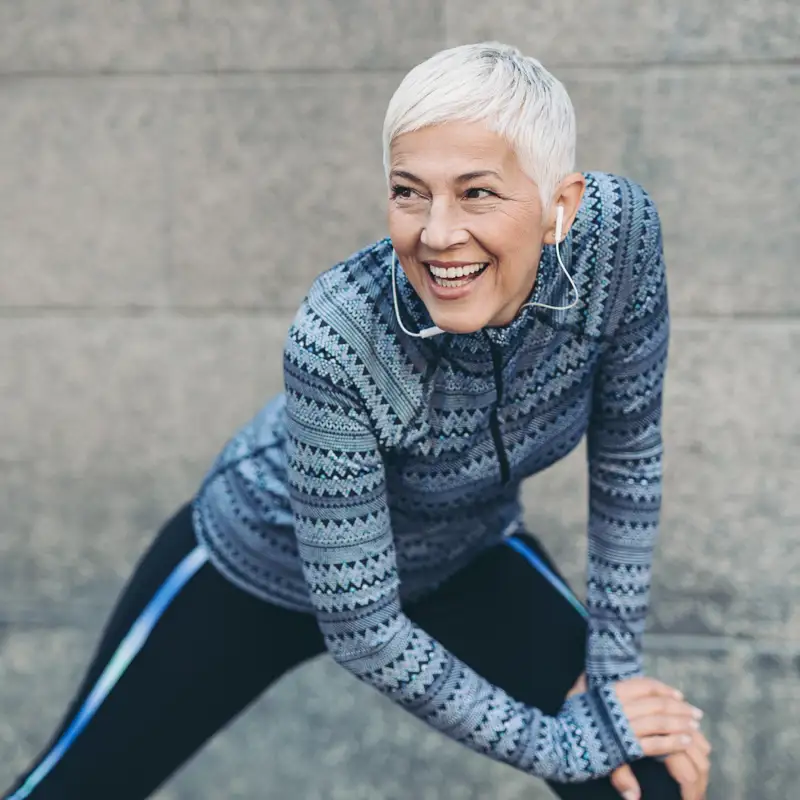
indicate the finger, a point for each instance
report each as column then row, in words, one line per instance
column 635, row 688
column 700, row 762
column 704, row 768
column 683, row 770
column 661, row 724
column 624, row 781
column 699, row 759
column 701, row 743
column 664, row 706
column 698, row 753
column 665, row 745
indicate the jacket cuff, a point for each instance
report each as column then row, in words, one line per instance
column 599, row 734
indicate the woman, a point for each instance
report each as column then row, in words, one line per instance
column 372, row 511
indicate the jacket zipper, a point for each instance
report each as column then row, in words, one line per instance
column 494, row 422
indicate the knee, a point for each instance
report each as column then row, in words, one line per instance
column 655, row 781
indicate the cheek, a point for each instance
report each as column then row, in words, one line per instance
column 402, row 227
column 512, row 235
column 518, row 265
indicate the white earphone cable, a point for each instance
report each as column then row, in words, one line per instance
column 559, row 225
column 425, row 333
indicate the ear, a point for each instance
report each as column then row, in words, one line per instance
column 569, row 194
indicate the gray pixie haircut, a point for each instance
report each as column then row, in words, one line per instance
column 492, row 83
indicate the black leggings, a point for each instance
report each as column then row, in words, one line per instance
column 212, row 652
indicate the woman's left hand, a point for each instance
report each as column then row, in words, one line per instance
column 690, row 769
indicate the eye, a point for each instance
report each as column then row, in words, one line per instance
column 402, row 192
column 478, row 194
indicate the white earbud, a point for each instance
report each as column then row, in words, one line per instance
column 559, row 231
column 425, row 333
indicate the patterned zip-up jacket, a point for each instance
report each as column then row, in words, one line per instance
column 390, row 462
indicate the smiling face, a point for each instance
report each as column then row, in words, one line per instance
column 466, row 224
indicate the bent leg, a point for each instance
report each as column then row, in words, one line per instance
column 512, row 618
column 183, row 653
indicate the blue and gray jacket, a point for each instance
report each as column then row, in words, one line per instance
column 390, row 462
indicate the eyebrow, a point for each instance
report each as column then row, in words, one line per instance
column 467, row 176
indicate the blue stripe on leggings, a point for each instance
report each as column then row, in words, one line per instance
column 120, row 661
column 534, row 559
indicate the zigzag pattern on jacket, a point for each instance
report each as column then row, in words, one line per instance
column 390, row 462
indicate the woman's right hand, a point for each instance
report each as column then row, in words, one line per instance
column 660, row 720
column 659, row 716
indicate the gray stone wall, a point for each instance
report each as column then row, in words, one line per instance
column 172, row 177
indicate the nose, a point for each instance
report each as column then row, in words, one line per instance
column 443, row 228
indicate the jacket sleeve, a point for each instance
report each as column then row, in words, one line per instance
column 625, row 465
column 342, row 522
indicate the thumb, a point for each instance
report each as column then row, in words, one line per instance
column 624, row 781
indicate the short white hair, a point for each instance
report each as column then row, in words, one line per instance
column 492, row 83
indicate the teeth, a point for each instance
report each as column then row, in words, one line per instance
column 449, row 284
column 450, row 273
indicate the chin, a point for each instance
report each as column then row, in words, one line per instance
column 452, row 323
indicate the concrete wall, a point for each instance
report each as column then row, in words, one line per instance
column 173, row 176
